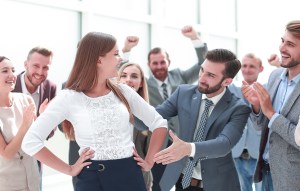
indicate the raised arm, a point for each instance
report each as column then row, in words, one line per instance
column 130, row 42
column 274, row 60
column 191, row 75
column 189, row 32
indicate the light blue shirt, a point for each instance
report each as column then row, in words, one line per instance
column 284, row 91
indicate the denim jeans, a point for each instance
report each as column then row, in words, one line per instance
column 267, row 183
column 245, row 169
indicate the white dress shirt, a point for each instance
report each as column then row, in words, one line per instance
column 215, row 100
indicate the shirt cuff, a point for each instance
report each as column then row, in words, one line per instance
column 125, row 57
column 193, row 150
column 272, row 119
column 198, row 43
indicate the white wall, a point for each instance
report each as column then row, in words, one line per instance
column 261, row 24
column 240, row 25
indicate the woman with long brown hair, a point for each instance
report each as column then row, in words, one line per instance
column 99, row 114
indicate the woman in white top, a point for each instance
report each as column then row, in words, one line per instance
column 99, row 114
column 18, row 171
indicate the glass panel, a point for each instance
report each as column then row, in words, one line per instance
column 180, row 11
column 218, row 15
column 180, row 48
column 123, row 28
column 132, row 6
column 222, row 42
column 32, row 25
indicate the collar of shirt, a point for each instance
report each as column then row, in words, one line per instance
column 216, row 98
column 159, row 83
column 24, row 88
column 284, row 76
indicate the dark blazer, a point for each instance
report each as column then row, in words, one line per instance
column 47, row 90
column 224, row 128
column 284, row 153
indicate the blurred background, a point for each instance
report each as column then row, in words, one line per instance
column 239, row 25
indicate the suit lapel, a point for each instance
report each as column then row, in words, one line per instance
column 173, row 83
column 18, row 86
column 41, row 99
column 288, row 104
column 153, row 92
column 273, row 89
column 218, row 110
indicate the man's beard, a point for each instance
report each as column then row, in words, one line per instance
column 210, row 90
column 291, row 64
column 30, row 80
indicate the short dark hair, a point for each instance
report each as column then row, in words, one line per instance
column 3, row 58
column 157, row 50
column 41, row 50
column 224, row 56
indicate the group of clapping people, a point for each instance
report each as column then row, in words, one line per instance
column 104, row 106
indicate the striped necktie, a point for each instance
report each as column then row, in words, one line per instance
column 186, row 179
column 165, row 91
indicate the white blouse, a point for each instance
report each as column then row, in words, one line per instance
column 100, row 123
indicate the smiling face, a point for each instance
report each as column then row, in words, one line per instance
column 7, row 76
column 131, row 76
column 37, row 67
column 289, row 50
column 110, row 63
column 158, row 64
column 251, row 67
column 211, row 79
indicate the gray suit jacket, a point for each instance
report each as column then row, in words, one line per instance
column 176, row 77
column 251, row 136
column 284, row 153
column 223, row 130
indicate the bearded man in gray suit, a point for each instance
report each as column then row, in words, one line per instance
column 212, row 166
column 158, row 63
column 276, row 112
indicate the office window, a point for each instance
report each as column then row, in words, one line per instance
column 123, row 28
column 140, row 7
column 218, row 15
column 24, row 26
column 180, row 48
column 181, row 11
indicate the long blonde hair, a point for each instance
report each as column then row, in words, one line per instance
column 84, row 76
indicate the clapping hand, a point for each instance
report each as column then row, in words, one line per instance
column 43, row 106
column 28, row 115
